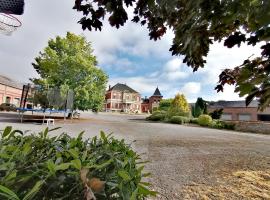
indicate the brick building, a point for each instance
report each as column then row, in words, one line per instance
column 10, row 91
column 237, row 111
column 122, row 98
column 153, row 102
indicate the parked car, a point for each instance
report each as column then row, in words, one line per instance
column 7, row 107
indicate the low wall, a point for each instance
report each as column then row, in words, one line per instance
column 256, row 127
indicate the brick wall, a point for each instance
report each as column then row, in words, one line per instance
column 235, row 112
column 255, row 127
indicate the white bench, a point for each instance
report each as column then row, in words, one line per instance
column 49, row 121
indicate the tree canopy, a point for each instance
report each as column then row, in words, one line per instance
column 196, row 25
column 68, row 62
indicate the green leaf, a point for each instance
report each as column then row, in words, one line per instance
column 62, row 166
column 80, row 135
column 33, row 191
column 8, row 193
column 51, row 166
column 73, row 153
column 54, row 129
column 103, row 136
column 7, row 131
column 134, row 195
column 143, row 190
column 45, row 133
column 124, row 175
column 77, row 163
column 101, row 166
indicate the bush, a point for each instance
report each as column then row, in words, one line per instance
column 157, row 116
column 216, row 114
column 222, row 125
column 174, row 112
column 193, row 121
column 62, row 167
column 205, row 120
column 179, row 120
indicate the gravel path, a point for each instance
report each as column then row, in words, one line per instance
column 180, row 156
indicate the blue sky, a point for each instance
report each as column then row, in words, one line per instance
column 127, row 54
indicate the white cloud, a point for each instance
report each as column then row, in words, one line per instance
column 221, row 57
column 191, row 88
column 173, row 70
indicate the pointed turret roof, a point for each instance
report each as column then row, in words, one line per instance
column 157, row 93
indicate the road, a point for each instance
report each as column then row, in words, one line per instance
column 182, row 158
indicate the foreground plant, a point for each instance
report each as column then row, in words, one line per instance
column 62, row 167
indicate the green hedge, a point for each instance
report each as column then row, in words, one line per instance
column 157, row 116
column 205, row 120
column 193, row 121
column 41, row 167
column 179, row 120
column 222, row 125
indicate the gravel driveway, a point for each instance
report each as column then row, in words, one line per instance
column 185, row 162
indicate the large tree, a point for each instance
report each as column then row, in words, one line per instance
column 69, row 62
column 196, row 25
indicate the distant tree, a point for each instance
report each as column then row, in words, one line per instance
column 199, row 108
column 196, row 25
column 69, row 62
column 179, row 107
column 165, row 104
column 216, row 114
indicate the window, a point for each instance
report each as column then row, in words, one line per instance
column 244, row 117
column 114, row 96
column 8, row 99
column 226, row 116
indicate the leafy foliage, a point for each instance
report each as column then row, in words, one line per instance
column 165, row 104
column 196, row 25
column 199, row 108
column 204, row 120
column 218, row 124
column 41, row 167
column 69, row 62
column 179, row 120
column 179, row 105
column 157, row 116
column 216, row 114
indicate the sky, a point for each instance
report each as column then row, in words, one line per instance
column 126, row 54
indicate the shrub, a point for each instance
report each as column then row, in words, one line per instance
column 179, row 120
column 193, row 121
column 156, row 117
column 222, row 125
column 216, row 114
column 165, row 104
column 204, row 120
column 176, row 112
column 62, row 167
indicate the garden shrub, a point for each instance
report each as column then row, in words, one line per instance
column 193, row 121
column 176, row 112
column 157, row 116
column 205, row 120
column 216, row 114
column 222, row 125
column 62, row 167
column 179, row 120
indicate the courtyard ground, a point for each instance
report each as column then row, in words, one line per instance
column 185, row 162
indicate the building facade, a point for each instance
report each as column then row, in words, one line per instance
column 237, row 111
column 10, row 91
column 153, row 102
column 122, row 98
